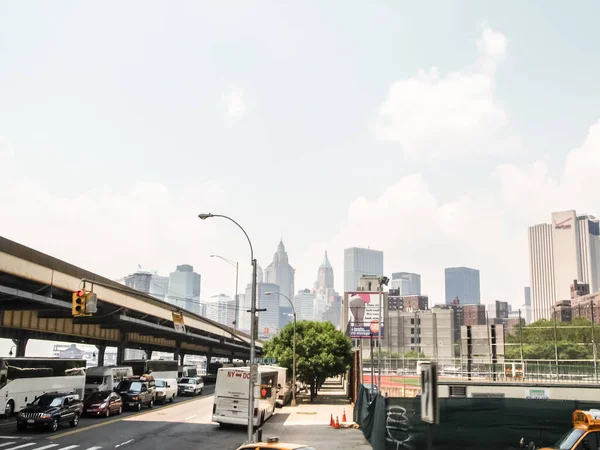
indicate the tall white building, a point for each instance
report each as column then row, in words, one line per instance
column 304, row 304
column 184, row 288
column 220, row 308
column 359, row 262
column 407, row 283
column 325, row 274
column 148, row 283
column 567, row 249
column 280, row 272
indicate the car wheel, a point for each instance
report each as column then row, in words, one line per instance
column 75, row 421
column 120, row 410
column 9, row 409
column 138, row 406
column 54, row 425
column 151, row 404
column 107, row 413
column 21, row 427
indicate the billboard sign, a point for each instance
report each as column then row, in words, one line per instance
column 178, row 322
column 364, row 315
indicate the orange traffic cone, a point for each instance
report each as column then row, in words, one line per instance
column 344, row 417
column 331, row 422
column 337, row 423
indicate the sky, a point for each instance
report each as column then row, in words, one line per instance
column 436, row 131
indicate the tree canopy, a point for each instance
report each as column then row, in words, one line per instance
column 321, row 351
column 573, row 340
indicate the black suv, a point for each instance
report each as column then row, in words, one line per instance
column 50, row 410
column 137, row 392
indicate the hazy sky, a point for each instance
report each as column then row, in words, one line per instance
column 434, row 131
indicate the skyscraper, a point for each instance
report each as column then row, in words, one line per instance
column 221, row 309
column 268, row 321
column 566, row 250
column 184, row 288
column 148, row 283
column 304, row 304
column 325, row 274
column 463, row 283
column 359, row 262
column 280, row 272
column 407, row 283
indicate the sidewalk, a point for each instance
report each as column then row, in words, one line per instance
column 308, row 423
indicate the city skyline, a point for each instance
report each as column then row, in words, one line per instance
column 440, row 157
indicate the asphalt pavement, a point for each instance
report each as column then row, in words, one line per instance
column 184, row 425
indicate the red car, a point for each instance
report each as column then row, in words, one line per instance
column 103, row 403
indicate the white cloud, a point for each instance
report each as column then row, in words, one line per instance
column 233, row 104
column 448, row 115
column 486, row 231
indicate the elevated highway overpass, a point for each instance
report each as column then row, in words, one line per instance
column 35, row 303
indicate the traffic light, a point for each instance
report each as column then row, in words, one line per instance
column 78, row 303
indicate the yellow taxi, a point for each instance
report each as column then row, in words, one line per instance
column 585, row 434
column 273, row 443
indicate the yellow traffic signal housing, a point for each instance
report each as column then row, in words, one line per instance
column 78, row 303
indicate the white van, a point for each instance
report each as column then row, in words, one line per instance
column 166, row 390
column 284, row 385
column 105, row 378
column 231, row 395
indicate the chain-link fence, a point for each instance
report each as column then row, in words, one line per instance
column 557, row 350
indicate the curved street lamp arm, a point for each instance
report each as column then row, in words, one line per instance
column 205, row 216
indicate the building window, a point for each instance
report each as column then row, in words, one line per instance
column 412, row 331
column 412, row 340
column 412, row 321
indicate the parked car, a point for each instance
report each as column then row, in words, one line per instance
column 191, row 386
column 137, row 392
column 166, row 390
column 103, row 403
column 50, row 410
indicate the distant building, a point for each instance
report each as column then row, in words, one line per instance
column 359, row 262
column 480, row 342
column 527, row 304
column 502, row 310
column 333, row 312
column 406, row 303
column 148, row 283
column 579, row 289
column 280, row 272
column 184, row 288
column 463, row 283
column 268, row 321
column 407, row 283
column 474, row 315
column 562, row 311
column 560, row 252
column 221, row 309
column 304, row 303
column 325, row 277
column 430, row 332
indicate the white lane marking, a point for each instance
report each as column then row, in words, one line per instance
column 7, row 443
column 124, row 443
column 191, row 417
column 8, row 437
column 45, row 447
column 91, row 448
column 66, row 448
column 21, row 446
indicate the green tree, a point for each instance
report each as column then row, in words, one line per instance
column 321, row 352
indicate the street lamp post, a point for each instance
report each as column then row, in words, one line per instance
column 252, row 328
column 237, row 267
column 383, row 281
column 293, row 346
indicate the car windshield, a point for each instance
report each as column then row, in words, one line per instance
column 45, row 401
column 568, row 440
column 187, row 381
column 98, row 396
column 160, row 383
column 131, row 386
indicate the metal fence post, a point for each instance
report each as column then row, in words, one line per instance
column 594, row 344
column 555, row 343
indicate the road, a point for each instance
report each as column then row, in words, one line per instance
column 183, row 425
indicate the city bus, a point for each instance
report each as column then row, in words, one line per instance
column 231, row 396
column 24, row 379
column 159, row 368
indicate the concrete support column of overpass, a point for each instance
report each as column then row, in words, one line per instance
column 178, row 354
column 101, row 352
column 20, row 346
column 148, row 354
column 121, row 349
